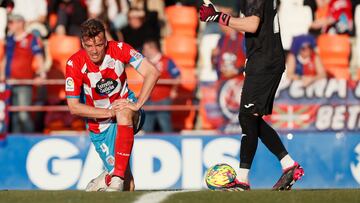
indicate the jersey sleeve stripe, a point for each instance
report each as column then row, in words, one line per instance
column 73, row 96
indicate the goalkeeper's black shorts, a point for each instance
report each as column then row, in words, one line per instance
column 258, row 93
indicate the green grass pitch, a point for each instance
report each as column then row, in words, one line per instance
column 303, row 196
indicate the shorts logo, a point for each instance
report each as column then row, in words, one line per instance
column 105, row 86
column 69, row 84
column 110, row 160
column 248, row 105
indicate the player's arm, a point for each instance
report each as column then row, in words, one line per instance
column 83, row 110
column 247, row 24
column 151, row 75
column 73, row 88
column 250, row 23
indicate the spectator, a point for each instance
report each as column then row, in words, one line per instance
column 112, row 12
column 156, row 9
column 34, row 13
column 162, row 94
column 21, row 49
column 303, row 63
column 209, row 41
column 228, row 57
column 6, row 6
column 71, row 13
column 142, row 26
column 338, row 18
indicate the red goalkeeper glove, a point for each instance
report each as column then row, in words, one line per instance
column 208, row 13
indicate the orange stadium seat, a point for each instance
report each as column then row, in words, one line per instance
column 334, row 52
column 134, row 80
column 61, row 47
column 182, row 49
column 182, row 19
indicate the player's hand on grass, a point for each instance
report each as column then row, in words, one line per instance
column 208, row 13
column 121, row 104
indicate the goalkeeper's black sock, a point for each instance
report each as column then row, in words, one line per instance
column 271, row 139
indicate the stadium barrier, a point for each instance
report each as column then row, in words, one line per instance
column 330, row 160
column 325, row 105
column 183, row 109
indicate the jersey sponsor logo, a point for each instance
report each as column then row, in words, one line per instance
column 70, row 63
column 106, row 86
column 70, row 86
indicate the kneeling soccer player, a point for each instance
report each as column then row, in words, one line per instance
column 96, row 75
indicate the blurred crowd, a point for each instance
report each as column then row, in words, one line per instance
column 34, row 32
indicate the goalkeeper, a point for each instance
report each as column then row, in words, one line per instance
column 264, row 68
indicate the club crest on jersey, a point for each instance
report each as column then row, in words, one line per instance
column 111, row 64
column 69, row 84
column 105, row 86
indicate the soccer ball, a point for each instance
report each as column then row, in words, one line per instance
column 218, row 176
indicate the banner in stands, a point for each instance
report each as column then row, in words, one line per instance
column 4, row 97
column 330, row 160
column 326, row 105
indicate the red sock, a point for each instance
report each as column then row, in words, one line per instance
column 123, row 146
column 107, row 179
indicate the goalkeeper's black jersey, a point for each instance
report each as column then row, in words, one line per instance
column 264, row 49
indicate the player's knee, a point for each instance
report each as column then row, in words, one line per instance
column 124, row 117
column 247, row 122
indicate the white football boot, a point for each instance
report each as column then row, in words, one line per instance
column 116, row 185
column 97, row 184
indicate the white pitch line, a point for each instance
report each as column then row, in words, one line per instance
column 157, row 197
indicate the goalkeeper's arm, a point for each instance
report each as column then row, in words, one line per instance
column 208, row 13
